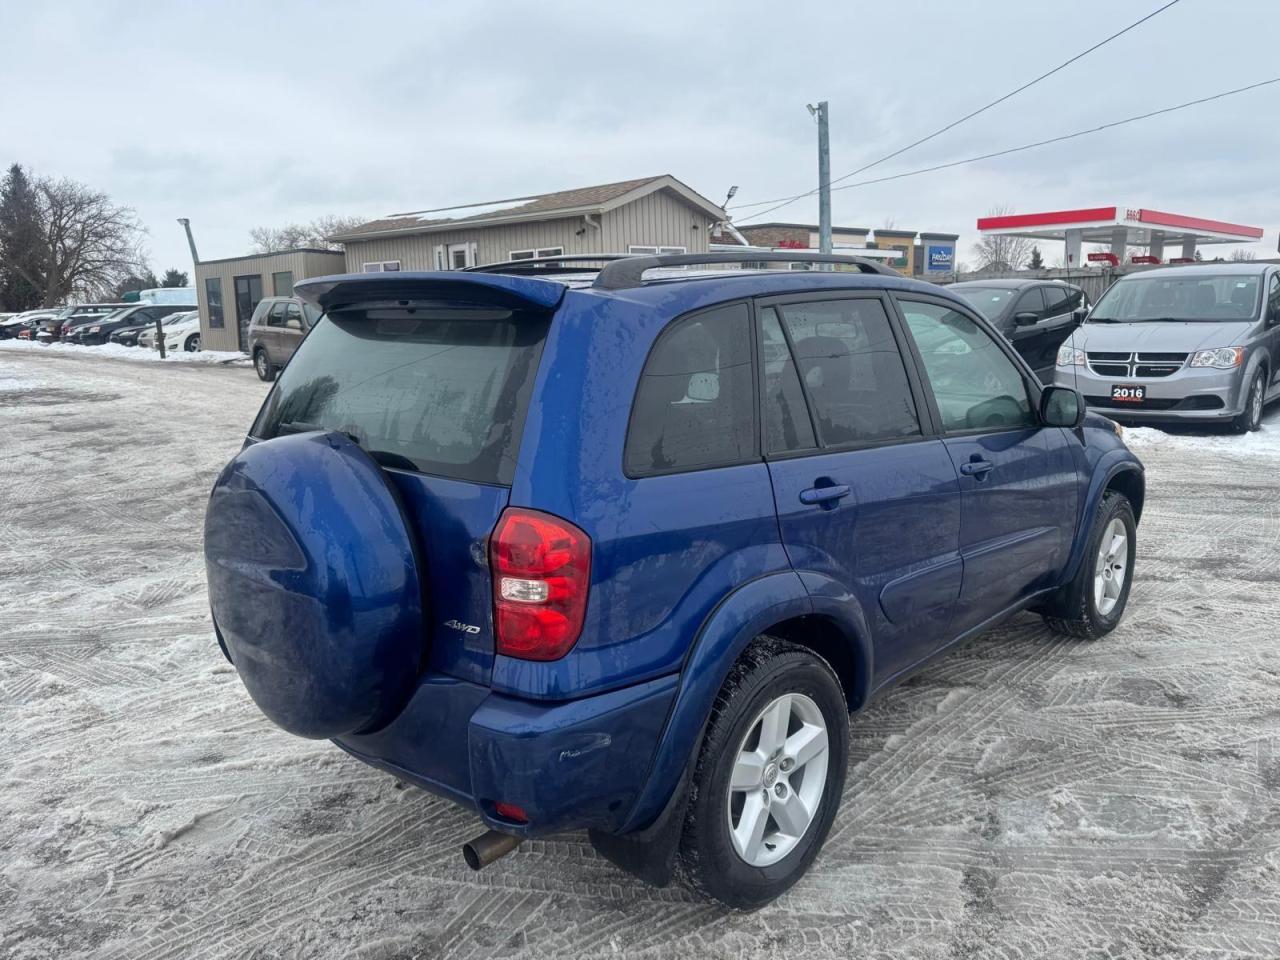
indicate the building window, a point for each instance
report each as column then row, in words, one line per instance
column 282, row 283
column 213, row 297
column 655, row 251
column 381, row 266
column 538, row 254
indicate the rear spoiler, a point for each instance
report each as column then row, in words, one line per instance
column 491, row 289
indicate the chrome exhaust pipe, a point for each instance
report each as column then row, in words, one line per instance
column 488, row 847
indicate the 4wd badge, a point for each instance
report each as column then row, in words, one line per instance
column 462, row 627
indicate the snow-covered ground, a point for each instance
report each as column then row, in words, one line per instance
column 1027, row 796
column 116, row 351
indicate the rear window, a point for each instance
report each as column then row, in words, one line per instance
column 441, row 391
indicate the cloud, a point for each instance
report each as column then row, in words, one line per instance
column 238, row 115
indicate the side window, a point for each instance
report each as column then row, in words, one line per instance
column 694, row 406
column 1273, row 299
column 786, row 417
column 213, row 297
column 852, row 371
column 292, row 316
column 276, row 317
column 1056, row 301
column 976, row 386
column 1032, row 301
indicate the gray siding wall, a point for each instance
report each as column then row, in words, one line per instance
column 302, row 264
column 659, row 219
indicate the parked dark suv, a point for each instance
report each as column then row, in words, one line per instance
column 1036, row 316
column 623, row 552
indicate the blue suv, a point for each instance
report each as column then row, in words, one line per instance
column 621, row 549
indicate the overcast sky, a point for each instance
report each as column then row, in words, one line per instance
column 246, row 114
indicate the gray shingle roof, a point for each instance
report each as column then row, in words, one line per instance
column 515, row 209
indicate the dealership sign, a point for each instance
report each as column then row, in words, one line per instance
column 941, row 258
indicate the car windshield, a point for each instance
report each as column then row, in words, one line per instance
column 443, row 391
column 178, row 317
column 989, row 301
column 1202, row 297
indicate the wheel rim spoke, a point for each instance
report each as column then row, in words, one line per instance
column 773, row 726
column 748, row 835
column 805, row 744
column 748, row 772
column 791, row 815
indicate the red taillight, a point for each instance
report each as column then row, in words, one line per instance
column 509, row 811
column 541, row 568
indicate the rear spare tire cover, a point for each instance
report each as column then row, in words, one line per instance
column 314, row 584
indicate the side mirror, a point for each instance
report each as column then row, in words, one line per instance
column 1061, row 407
column 1025, row 318
column 1079, row 313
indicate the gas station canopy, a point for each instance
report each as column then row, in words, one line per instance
column 1121, row 227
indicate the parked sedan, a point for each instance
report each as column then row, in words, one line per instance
column 181, row 332
column 63, row 327
column 1034, row 315
column 23, row 325
column 138, row 315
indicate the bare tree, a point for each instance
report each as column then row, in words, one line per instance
column 291, row 236
column 1241, row 255
column 1001, row 251
column 86, row 245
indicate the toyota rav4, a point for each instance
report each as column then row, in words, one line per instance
column 622, row 549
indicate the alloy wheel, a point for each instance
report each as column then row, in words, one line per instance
column 1255, row 403
column 778, row 778
column 1111, row 567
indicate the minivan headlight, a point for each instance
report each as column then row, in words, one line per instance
column 1224, row 358
column 1069, row 356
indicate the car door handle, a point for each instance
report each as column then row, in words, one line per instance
column 976, row 468
column 824, row 495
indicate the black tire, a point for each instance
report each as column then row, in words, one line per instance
column 1251, row 418
column 1073, row 611
column 768, row 668
column 263, row 366
column 192, row 344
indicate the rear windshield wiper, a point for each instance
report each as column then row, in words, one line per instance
column 384, row 457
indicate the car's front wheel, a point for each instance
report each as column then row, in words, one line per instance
column 769, row 776
column 1251, row 417
column 193, row 344
column 260, row 363
column 1091, row 605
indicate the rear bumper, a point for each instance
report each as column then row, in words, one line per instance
column 569, row 765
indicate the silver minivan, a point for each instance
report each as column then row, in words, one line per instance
column 1196, row 343
column 275, row 330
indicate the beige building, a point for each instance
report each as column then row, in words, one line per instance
column 652, row 215
column 227, row 291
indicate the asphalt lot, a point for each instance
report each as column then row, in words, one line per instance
column 1027, row 796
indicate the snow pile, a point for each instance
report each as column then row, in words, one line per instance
column 117, row 351
column 1260, row 443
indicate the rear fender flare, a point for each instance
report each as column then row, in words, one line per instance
column 741, row 617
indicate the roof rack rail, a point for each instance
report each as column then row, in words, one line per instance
column 629, row 272
column 564, row 263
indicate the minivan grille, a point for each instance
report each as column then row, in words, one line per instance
column 1136, row 365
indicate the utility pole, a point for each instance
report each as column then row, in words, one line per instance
column 824, row 180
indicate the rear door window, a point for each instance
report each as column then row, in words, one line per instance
column 852, row 371
column 1056, row 300
column 695, row 403
column 443, row 391
column 787, row 426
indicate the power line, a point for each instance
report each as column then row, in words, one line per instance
column 1060, row 139
column 784, row 201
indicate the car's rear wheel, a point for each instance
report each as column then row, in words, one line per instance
column 1091, row 605
column 193, row 344
column 769, row 776
column 1251, row 417
column 260, row 363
